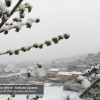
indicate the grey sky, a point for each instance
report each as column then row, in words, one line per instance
column 79, row 18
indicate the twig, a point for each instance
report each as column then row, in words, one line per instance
column 11, row 13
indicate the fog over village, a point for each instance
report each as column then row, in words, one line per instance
column 71, row 65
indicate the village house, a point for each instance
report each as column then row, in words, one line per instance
column 61, row 74
column 81, row 66
column 35, row 83
column 91, row 55
column 75, row 74
column 52, row 73
column 65, row 76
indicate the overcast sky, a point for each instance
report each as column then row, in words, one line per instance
column 79, row 18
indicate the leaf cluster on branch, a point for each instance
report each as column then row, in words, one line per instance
column 30, row 71
column 17, row 23
column 36, row 45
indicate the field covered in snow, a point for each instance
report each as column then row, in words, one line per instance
column 50, row 93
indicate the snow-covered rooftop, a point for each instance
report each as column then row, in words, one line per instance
column 55, row 79
column 35, row 83
column 10, row 66
column 50, row 72
column 47, row 84
column 76, row 72
column 64, row 73
column 54, row 69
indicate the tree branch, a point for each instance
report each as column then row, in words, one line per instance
column 19, row 50
column 14, row 26
column 11, row 13
column 87, row 89
column 55, row 40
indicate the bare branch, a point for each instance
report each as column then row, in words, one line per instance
column 87, row 89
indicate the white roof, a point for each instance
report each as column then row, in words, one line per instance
column 55, row 79
column 76, row 72
column 10, row 66
column 64, row 73
column 54, row 69
column 47, row 84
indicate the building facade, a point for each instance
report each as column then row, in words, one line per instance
column 52, row 73
column 62, row 74
column 65, row 76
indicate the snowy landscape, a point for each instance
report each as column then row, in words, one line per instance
column 64, row 52
column 63, row 89
column 50, row 93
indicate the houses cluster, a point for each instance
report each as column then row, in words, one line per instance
column 61, row 74
column 11, row 68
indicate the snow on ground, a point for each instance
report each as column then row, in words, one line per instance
column 50, row 93
column 72, row 95
column 47, row 84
